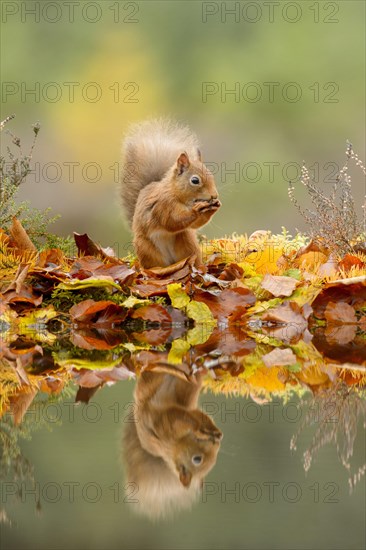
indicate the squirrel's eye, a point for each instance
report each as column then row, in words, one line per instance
column 197, row 459
column 195, row 180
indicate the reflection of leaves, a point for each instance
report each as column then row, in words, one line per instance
column 177, row 351
column 154, row 313
column 339, row 313
column 290, row 320
column 354, row 294
column 99, row 313
column 279, row 357
column 336, row 413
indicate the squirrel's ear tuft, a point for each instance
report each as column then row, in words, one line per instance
column 199, row 155
column 182, row 163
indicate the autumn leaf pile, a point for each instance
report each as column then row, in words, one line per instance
column 264, row 315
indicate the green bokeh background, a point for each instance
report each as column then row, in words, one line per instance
column 168, row 52
column 160, row 55
column 83, row 445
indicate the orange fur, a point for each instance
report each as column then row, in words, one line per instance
column 164, row 206
column 169, row 430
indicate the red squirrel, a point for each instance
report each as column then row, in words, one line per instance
column 170, row 446
column 167, row 192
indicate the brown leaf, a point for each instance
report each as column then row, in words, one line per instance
column 153, row 337
column 22, row 375
column 85, row 394
column 231, row 272
column 154, row 313
column 25, row 294
column 229, row 304
column 230, row 341
column 353, row 351
column 313, row 246
column 350, row 261
column 340, row 313
column 176, row 271
column 279, row 358
column 150, row 287
column 289, row 315
column 329, row 268
column 52, row 257
column 89, row 266
column 20, row 403
column 20, row 237
column 352, row 294
column 19, row 278
column 104, row 312
column 96, row 338
column 341, row 335
column 279, row 285
column 92, row 378
column 87, row 247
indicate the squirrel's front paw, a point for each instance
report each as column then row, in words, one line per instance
column 207, row 206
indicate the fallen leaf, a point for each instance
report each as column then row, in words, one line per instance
column 25, row 294
column 104, row 312
column 154, row 313
column 343, row 334
column 178, row 296
column 289, row 315
column 200, row 312
column 53, row 257
column 177, row 351
column 176, row 271
column 229, row 304
column 153, row 336
column 279, row 357
column 90, row 267
column 20, row 237
column 353, row 293
column 98, row 282
column 329, row 268
column 279, row 285
column 87, row 247
column 20, row 403
column 350, row 261
column 19, row 278
column 199, row 334
column 339, row 313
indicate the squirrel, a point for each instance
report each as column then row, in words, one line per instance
column 170, row 445
column 167, row 192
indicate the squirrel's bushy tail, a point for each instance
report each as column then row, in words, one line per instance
column 150, row 149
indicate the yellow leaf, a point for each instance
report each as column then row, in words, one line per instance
column 99, row 282
column 178, row 296
column 199, row 334
column 266, row 379
column 264, row 258
column 132, row 301
column 33, row 325
column 200, row 312
column 248, row 269
column 177, row 351
column 77, row 363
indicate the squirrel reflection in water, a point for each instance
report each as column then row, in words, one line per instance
column 170, row 446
